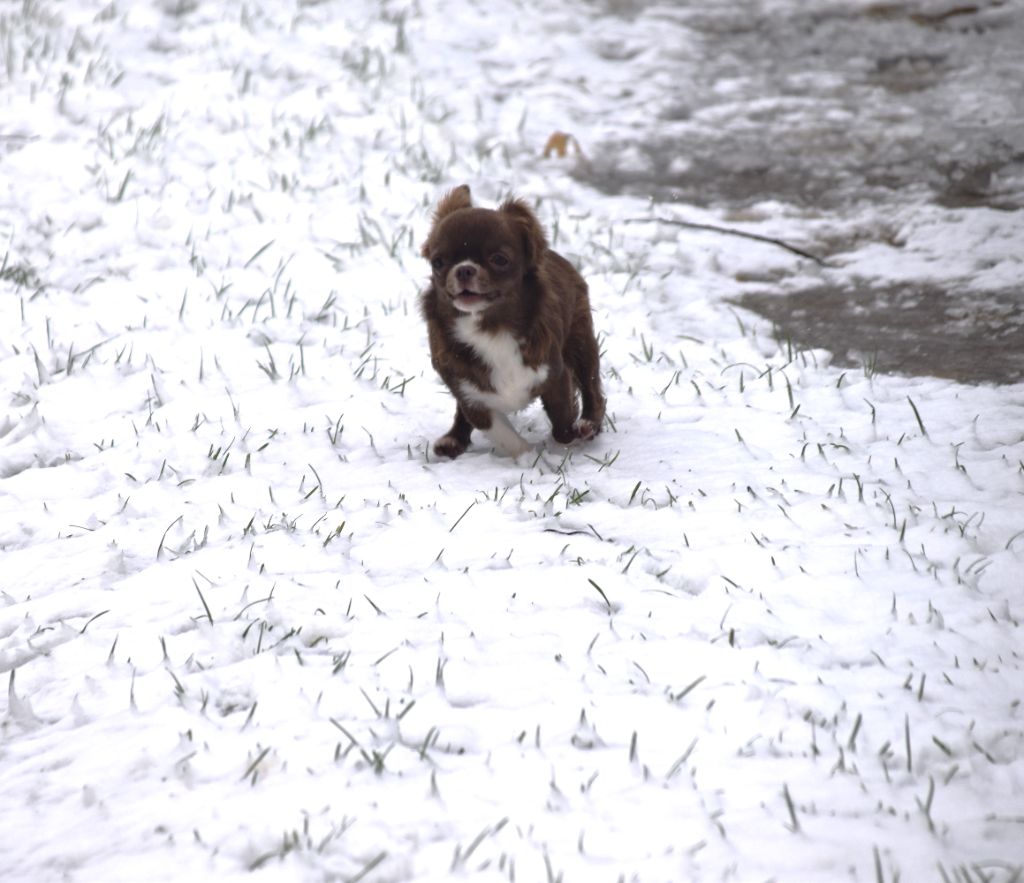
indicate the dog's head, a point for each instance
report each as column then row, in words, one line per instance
column 480, row 257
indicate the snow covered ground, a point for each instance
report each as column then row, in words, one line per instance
column 767, row 626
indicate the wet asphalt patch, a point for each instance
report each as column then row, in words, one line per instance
column 904, row 329
column 831, row 107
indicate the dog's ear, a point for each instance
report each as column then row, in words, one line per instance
column 525, row 221
column 453, row 200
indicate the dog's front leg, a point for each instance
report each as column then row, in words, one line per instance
column 493, row 424
column 558, row 398
column 502, row 434
column 455, row 440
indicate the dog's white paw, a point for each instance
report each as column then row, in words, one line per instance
column 505, row 438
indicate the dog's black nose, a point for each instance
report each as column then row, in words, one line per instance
column 465, row 272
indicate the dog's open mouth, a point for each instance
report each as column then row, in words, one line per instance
column 467, row 298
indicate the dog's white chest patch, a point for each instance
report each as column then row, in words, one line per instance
column 512, row 380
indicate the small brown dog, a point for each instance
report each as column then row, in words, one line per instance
column 508, row 320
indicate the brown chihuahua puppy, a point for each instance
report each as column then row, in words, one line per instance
column 508, row 321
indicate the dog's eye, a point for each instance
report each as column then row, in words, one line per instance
column 499, row 260
column 437, row 263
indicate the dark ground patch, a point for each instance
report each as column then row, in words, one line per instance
column 835, row 106
column 905, row 329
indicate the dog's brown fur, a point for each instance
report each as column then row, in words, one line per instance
column 508, row 320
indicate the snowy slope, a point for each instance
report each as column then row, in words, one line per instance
column 766, row 626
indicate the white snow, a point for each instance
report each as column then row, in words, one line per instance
column 766, row 626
